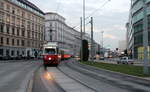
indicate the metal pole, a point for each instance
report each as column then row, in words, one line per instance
column 84, row 16
column 102, row 44
column 50, row 31
column 145, row 38
column 92, row 54
column 81, row 39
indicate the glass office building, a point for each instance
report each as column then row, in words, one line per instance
column 135, row 29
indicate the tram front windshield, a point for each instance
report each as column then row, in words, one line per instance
column 50, row 51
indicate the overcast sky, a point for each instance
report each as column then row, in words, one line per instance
column 111, row 18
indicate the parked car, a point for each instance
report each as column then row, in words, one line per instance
column 102, row 58
column 125, row 60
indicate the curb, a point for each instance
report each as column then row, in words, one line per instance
column 127, row 75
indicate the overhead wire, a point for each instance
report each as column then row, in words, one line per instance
column 97, row 9
column 94, row 12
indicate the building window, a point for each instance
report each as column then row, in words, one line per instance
column 18, row 53
column 13, row 30
column 32, row 17
column 23, row 14
column 29, row 16
column 2, row 40
column 1, row 16
column 13, row 42
column 7, row 52
column 8, row 18
column 1, row 52
column 148, row 22
column 13, row 10
column 36, row 35
column 32, row 34
column 28, row 43
column 39, row 28
column 18, row 12
column 138, row 27
column 13, row 20
column 18, row 32
column 36, row 27
column 149, row 36
column 7, row 41
column 28, row 34
column 22, row 42
column 23, row 23
column 7, row 28
column 138, row 40
column 1, row 5
column 42, row 37
column 32, row 26
column 12, row 53
column 28, row 25
column 1, row 28
column 18, row 21
column 23, row 53
column 18, row 42
column 33, row 44
column 23, row 32
column 8, row 8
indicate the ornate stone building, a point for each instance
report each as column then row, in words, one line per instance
column 21, row 28
column 58, row 31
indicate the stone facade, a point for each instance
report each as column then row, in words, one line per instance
column 21, row 28
column 58, row 31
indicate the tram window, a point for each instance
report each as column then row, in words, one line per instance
column 57, row 50
column 50, row 51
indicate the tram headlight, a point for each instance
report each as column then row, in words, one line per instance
column 59, row 56
column 50, row 58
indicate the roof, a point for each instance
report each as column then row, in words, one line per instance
column 51, row 13
column 31, row 5
column 47, row 13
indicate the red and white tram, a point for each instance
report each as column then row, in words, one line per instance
column 51, row 54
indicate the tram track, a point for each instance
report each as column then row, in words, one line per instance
column 102, row 77
column 116, row 75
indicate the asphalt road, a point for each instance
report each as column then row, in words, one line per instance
column 14, row 76
column 103, row 81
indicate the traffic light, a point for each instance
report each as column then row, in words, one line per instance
column 117, row 49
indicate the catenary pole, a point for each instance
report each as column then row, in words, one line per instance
column 102, row 43
column 84, row 16
column 92, row 39
column 81, row 39
column 145, row 38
